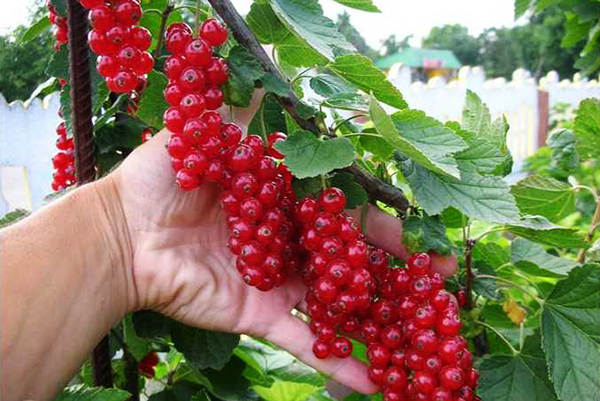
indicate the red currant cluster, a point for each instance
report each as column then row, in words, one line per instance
column 258, row 202
column 63, row 161
column 340, row 284
column 62, row 29
column 417, row 353
column 198, row 134
column 147, row 363
column 119, row 42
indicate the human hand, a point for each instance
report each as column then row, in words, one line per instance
column 181, row 266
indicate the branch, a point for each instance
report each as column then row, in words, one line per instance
column 376, row 188
column 469, row 244
column 590, row 234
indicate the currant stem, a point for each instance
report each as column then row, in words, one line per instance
column 161, row 32
column 505, row 281
column 354, row 117
column 590, row 234
column 487, row 326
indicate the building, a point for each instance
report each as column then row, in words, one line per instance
column 424, row 63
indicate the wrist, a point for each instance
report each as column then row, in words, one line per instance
column 106, row 210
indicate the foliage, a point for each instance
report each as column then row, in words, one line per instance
column 534, row 320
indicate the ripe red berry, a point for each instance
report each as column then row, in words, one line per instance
column 274, row 138
column 391, row 336
column 174, row 119
column 341, row 347
column 325, row 290
column 251, row 210
column 187, row 180
column 140, row 37
column 191, row 79
column 378, row 355
column 321, row 349
column 242, row 158
column 101, row 18
column 213, row 32
column 244, row 185
column 451, row 377
column 128, row 12
column 395, row 378
column 425, row 341
column 214, row 98
column 177, row 41
column 419, row 264
column 217, row 72
column 253, row 253
column 198, row 53
column 108, row 66
column 196, row 162
column 192, row 105
column 326, row 224
column 231, row 134
column 332, row 200
column 122, row 82
column 448, row 324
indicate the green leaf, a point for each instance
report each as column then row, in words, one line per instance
column 229, row 383
column 544, row 196
column 203, row 348
column 485, row 198
column 360, row 71
column 453, row 218
column 306, row 20
column 138, row 346
column 200, row 396
column 65, row 108
column 481, row 156
column 424, row 234
column 59, row 64
column 35, row 30
column 521, row 7
column 421, row 138
column 539, row 229
column 111, row 111
column 515, row 378
column 587, row 129
column 485, row 287
column 571, row 334
column 265, row 24
column 151, row 324
column 180, row 391
column 564, row 154
column 377, row 145
column 346, row 101
column 286, row 391
column 12, row 217
column 306, row 187
column 355, row 194
column 82, row 393
column 363, row 5
column 244, row 69
column 491, row 253
column 307, row 156
column 544, row 264
column 60, row 6
column 328, row 85
column 273, row 84
column 153, row 104
column 476, row 119
column 295, row 52
column 268, row 118
column 125, row 133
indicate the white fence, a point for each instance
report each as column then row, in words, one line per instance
column 27, row 145
column 27, row 131
column 516, row 99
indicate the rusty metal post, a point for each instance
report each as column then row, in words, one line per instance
column 82, row 127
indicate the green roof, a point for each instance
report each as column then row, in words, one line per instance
column 416, row 57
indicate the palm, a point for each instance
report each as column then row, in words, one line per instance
column 180, row 248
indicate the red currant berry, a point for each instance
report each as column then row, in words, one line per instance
column 117, row 35
column 251, row 210
column 391, row 336
column 128, row 12
column 122, row 82
column 433, row 363
column 424, row 381
column 332, row 248
column 174, row 119
column 231, row 134
column 145, row 65
column 173, row 67
column 242, row 158
column 395, row 378
column 425, row 316
column 398, row 357
column 229, row 203
column 214, row 98
column 213, row 32
column 326, row 224
column 307, row 210
column 451, row 377
column 370, row 331
column 244, row 185
column 440, row 300
column 274, row 138
column 441, row 394
column 378, row 355
column 419, row 264
column 256, row 143
column 192, row 105
column 187, row 180
column 253, row 253
column 332, row 200
column 253, row 276
column 108, row 66
column 191, row 79
column 321, row 349
column 425, row 342
column 198, row 53
column 129, row 56
column 341, row 347
column 273, row 263
column 471, row 378
column 177, row 41
column 414, row 360
column 101, row 18
column 325, row 290
column 269, row 194
column 217, row 72
column 100, row 44
column 196, row 162
column 356, row 253
column 376, row 375
column 384, row 312
column 448, row 324
column 140, row 37
column 339, row 271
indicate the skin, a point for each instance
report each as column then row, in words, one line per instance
column 133, row 241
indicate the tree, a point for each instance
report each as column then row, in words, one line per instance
column 353, row 36
column 391, row 44
column 23, row 65
column 456, row 38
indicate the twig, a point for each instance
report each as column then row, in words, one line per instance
column 590, row 233
column 376, row 188
column 161, row 31
column 514, row 351
column 520, row 287
column 469, row 244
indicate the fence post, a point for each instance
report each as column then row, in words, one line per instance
column 543, row 117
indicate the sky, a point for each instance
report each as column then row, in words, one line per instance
column 399, row 17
